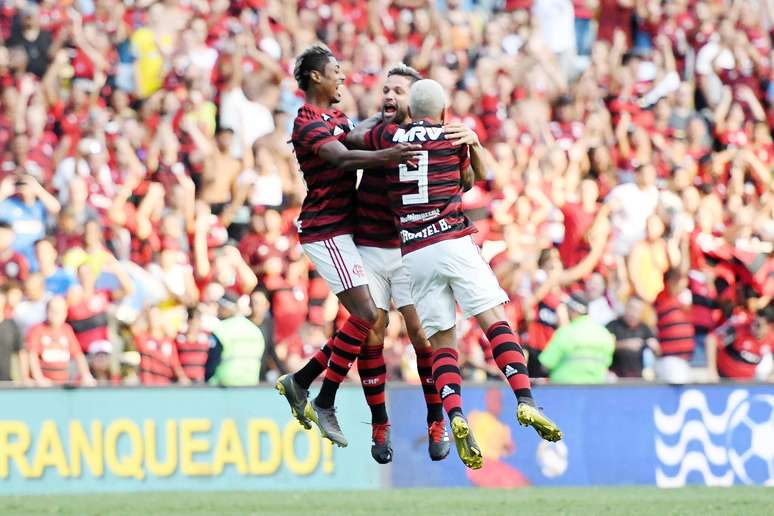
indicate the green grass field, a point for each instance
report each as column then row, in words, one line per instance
column 743, row 501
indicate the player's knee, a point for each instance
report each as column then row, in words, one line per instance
column 368, row 313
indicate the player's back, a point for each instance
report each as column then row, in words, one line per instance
column 426, row 196
column 328, row 208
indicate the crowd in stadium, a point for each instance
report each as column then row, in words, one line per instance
column 147, row 186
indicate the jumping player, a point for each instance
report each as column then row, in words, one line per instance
column 445, row 264
column 325, row 228
column 378, row 243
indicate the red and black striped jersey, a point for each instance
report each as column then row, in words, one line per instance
column 329, row 207
column 375, row 221
column 675, row 328
column 739, row 352
column 426, row 198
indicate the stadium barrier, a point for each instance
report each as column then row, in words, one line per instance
column 125, row 439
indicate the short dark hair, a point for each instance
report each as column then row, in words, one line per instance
column 312, row 59
column 405, row 71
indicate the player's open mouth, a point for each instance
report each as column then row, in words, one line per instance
column 389, row 110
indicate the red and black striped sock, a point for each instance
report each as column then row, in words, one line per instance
column 510, row 359
column 448, row 380
column 432, row 400
column 345, row 349
column 316, row 365
column 373, row 376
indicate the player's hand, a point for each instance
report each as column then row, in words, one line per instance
column 403, row 153
column 460, row 134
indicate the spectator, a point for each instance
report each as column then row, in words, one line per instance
column 31, row 309
column 159, row 360
column 580, row 352
column 27, row 33
column 26, row 206
column 675, row 329
column 193, row 344
column 13, row 356
column 744, row 346
column 235, row 358
column 632, row 339
column 13, row 266
column 89, row 307
column 100, row 362
column 58, row 281
column 52, row 346
column 600, row 310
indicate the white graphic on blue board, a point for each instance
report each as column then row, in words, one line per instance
column 733, row 444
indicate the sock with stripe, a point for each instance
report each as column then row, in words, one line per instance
column 448, row 380
column 510, row 359
column 373, row 376
column 344, row 351
column 432, row 400
column 316, row 365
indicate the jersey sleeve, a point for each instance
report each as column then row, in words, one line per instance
column 380, row 136
column 314, row 134
column 464, row 158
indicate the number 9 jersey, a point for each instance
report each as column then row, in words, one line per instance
column 426, row 196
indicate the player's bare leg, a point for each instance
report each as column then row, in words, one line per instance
column 512, row 362
column 438, row 437
column 448, row 381
column 373, row 376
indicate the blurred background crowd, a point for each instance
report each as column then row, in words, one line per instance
column 147, row 187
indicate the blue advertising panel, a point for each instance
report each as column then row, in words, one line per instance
column 659, row 435
column 91, row 440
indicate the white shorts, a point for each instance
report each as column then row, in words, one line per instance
column 449, row 271
column 387, row 277
column 338, row 262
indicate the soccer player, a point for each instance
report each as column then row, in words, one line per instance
column 377, row 240
column 445, row 264
column 325, row 228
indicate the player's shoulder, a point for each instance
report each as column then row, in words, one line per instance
column 306, row 114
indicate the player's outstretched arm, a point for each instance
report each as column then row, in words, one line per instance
column 337, row 154
column 356, row 138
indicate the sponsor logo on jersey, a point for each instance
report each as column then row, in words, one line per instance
column 417, row 134
column 432, row 229
column 415, row 217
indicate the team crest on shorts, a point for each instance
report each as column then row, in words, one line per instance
column 358, row 270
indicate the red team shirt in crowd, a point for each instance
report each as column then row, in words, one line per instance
column 327, row 210
column 675, row 331
column 739, row 352
column 88, row 319
column 158, row 359
column 426, row 199
column 192, row 352
column 54, row 347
